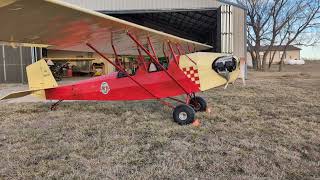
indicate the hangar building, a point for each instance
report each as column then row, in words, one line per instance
column 215, row 22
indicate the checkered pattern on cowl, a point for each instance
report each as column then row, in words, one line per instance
column 192, row 74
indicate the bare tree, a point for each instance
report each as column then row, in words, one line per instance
column 305, row 18
column 278, row 22
column 258, row 21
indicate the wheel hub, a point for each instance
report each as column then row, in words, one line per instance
column 196, row 105
column 183, row 116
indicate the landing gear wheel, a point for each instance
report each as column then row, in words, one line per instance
column 183, row 114
column 198, row 104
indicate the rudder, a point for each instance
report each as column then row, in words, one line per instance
column 40, row 78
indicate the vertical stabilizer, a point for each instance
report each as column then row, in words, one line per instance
column 40, row 78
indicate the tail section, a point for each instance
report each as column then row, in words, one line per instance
column 40, row 78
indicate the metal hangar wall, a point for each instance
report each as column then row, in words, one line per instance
column 14, row 60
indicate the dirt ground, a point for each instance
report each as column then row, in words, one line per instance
column 269, row 129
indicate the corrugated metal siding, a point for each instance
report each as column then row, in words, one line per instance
column 239, row 39
column 26, row 60
column 13, row 65
column 122, row 5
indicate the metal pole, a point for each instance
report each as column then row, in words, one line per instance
column 189, row 49
column 116, row 55
column 115, row 52
column 36, row 54
column 4, row 64
column 41, row 56
column 175, row 99
column 174, row 55
column 155, row 61
column 165, row 54
column 245, row 46
column 21, row 65
column 179, row 51
column 142, row 59
column 152, row 48
column 32, row 55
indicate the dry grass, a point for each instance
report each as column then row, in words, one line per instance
column 269, row 129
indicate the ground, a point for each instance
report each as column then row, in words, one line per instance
column 268, row 129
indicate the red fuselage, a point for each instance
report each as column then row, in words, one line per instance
column 112, row 88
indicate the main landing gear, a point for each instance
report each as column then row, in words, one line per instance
column 198, row 104
column 184, row 114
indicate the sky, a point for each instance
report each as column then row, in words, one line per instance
column 311, row 52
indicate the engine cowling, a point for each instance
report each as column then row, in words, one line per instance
column 224, row 65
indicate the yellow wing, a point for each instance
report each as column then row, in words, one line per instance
column 69, row 27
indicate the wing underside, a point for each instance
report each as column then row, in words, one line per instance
column 67, row 27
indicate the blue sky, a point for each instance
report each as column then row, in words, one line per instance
column 311, row 52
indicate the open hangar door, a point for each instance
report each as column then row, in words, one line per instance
column 198, row 25
column 223, row 27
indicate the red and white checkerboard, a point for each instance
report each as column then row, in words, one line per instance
column 192, row 74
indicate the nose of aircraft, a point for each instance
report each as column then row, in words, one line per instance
column 225, row 65
column 213, row 69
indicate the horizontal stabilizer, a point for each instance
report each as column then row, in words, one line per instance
column 16, row 95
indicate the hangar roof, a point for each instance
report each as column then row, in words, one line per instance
column 134, row 6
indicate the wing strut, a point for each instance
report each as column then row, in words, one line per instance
column 152, row 48
column 178, row 47
column 165, row 53
column 115, row 52
column 128, row 75
column 154, row 60
column 142, row 61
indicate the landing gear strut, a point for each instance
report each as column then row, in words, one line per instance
column 55, row 105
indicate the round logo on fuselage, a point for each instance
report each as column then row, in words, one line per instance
column 104, row 88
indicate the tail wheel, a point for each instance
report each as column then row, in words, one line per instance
column 198, row 104
column 184, row 114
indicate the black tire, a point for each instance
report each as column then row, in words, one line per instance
column 184, row 114
column 198, row 104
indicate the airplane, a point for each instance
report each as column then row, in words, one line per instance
column 64, row 26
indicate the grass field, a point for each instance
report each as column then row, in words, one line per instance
column 268, row 129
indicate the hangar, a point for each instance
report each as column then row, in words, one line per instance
column 214, row 22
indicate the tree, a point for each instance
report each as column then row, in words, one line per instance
column 305, row 18
column 258, row 20
column 279, row 22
